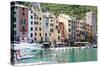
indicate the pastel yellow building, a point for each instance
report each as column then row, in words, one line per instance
column 38, row 29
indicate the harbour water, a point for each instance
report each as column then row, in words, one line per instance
column 65, row 55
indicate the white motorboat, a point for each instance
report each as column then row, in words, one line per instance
column 25, row 50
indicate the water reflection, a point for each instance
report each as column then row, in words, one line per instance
column 63, row 55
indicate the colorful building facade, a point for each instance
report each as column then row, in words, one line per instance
column 19, row 23
column 31, row 25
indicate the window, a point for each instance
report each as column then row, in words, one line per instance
column 31, row 17
column 58, row 31
column 14, row 25
column 13, row 3
column 35, row 28
column 69, row 30
column 32, row 41
column 14, row 32
column 51, row 30
column 34, row 17
column 72, row 27
column 45, row 34
column 77, row 35
column 14, row 12
column 34, row 22
column 14, row 19
column 51, row 20
column 69, row 21
column 74, row 22
column 46, row 24
column 31, row 22
column 56, row 27
column 40, row 34
column 37, row 23
column 45, row 39
column 12, row 8
column 35, row 34
column 35, row 38
column 23, row 9
column 23, row 33
column 58, row 37
column 40, row 18
column 51, row 24
column 31, row 28
column 31, row 34
column 23, row 28
column 24, row 21
column 41, row 38
column 23, row 13
column 31, row 11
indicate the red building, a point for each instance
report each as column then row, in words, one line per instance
column 23, row 24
